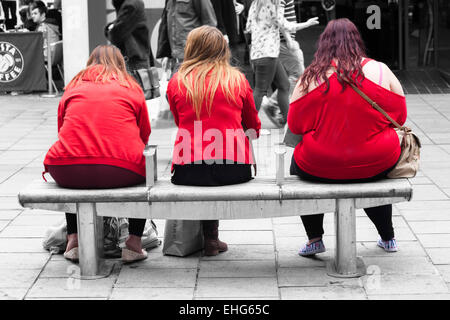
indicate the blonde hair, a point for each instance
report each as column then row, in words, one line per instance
column 207, row 54
column 113, row 63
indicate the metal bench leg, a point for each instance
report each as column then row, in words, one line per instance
column 346, row 262
column 90, row 242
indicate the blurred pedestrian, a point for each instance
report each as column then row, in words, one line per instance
column 291, row 58
column 265, row 21
column 54, row 15
column 26, row 22
column 129, row 32
column 9, row 12
column 178, row 19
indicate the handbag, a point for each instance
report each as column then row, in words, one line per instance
column 115, row 232
column 408, row 163
column 182, row 237
column 149, row 81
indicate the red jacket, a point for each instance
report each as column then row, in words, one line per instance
column 208, row 137
column 344, row 137
column 101, row 123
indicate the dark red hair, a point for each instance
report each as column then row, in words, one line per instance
column 342, row 41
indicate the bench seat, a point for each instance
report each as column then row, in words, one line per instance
column 263, row 197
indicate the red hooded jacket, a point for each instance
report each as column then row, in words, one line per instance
column 101, row 123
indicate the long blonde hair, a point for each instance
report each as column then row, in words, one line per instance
column 207, row 54
column 112, row 64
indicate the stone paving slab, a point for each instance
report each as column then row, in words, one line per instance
column 18, row 278
column 247, row 237
column 71, row 288
column 21, row 245
column 439, row 255
column 152, row 294
column 435, row 240
column 237, row 269
column 323, row 293
column 252, row 288
column 392, row 264
column 311, row 277
column 23, row 231
column 399, row 284
column 156, row 278
column 17, row 261
column 245, row 252
column 12, row 294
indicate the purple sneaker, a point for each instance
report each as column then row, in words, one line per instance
column 312, row 248
column 388, row 246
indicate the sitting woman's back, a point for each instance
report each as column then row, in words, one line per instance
column 212, row 104
column 344, row 138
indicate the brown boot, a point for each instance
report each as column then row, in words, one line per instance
column 211, row 235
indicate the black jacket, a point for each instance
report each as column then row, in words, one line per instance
column 130, row 32
column 226, row 18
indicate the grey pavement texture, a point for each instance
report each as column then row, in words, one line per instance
column 262, row 261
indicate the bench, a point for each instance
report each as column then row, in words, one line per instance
column 263, row 197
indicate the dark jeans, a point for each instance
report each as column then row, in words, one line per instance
column 211, row 175
column 268, row 71
column 380, row 216
column 95, row 176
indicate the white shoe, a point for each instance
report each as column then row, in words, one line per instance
column 132, row 256
column 72, row 254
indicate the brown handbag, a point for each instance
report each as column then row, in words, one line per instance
column 408, row 163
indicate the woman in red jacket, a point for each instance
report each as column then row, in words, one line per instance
column 103, row 127
column 212, row 104
column 344, row 138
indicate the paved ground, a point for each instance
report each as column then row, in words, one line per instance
column 262, row 262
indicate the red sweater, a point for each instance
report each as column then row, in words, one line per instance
column 101, row 123
column 208, row 137
column 343, row 136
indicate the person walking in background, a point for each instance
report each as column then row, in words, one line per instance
column 130, row 33
column 9, row 11
column 265, row 21
column 344, row 138
column 50, row 30
column 26, row 22
column 291, row 58
column 54, row 15
column 225, row 12
column 103, row 127
column 210, row 96
column 180, row 17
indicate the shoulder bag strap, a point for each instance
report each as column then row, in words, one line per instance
column 374, row 105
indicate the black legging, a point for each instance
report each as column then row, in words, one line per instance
column 211, row 175
column 380, row 216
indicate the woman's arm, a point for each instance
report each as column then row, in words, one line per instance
column 143, row 122
column 61, row 114
column 170, row 98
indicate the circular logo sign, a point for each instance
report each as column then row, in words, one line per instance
column 11, row 62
